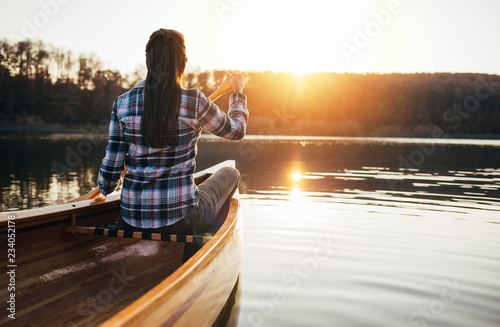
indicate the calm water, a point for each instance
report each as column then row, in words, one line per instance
column 337, row 232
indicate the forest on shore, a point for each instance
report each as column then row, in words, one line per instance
column 46, row 88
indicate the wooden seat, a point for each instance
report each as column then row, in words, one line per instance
column 115, row 231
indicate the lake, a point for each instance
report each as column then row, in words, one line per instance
column 337, row 231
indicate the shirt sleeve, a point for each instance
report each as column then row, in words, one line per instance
column 114, row 160
column 231, row 126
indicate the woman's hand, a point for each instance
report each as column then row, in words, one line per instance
column 234, row 82
column 237, row 81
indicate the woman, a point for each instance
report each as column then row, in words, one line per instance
column 154, row 131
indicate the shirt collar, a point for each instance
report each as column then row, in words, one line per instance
column 140, row 84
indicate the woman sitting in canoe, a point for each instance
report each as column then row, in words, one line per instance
column 154, row 131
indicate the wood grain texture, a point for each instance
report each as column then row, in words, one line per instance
column 84, row 281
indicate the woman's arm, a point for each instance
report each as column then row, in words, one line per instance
column 113, row 163
column 233, row 125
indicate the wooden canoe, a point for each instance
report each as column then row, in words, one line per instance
column 64, row 279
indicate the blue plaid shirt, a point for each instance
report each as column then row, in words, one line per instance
column 158, row 189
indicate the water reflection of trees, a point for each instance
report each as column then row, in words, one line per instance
column 28, row 180
column 27, row 177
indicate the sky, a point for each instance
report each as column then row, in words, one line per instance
column 360, row 36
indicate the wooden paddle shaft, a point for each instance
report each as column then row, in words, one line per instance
column 225, row 87
column 218, row 93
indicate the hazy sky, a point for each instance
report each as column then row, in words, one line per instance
column 287, row 35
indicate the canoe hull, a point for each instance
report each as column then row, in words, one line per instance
column 88, row 280
column 194, row 294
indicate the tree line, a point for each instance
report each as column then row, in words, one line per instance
column 49, row 85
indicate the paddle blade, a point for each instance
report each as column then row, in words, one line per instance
column 96, row 191
column 89, row 196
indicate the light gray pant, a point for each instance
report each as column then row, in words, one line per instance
column 216, row 190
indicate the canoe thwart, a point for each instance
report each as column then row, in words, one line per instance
column 113, row 231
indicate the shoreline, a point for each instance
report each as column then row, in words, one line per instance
column 92, row 130
column 51, row 129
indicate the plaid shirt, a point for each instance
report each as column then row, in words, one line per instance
column 158, row 189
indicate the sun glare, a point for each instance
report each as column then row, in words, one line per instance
column 301, row 72
column 299, row 46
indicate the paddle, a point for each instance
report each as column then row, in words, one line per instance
column 94, row 193
column 223, row 88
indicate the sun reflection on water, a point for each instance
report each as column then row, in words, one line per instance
column 296, row 195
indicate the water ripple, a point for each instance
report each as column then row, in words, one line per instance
column 398, row 257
